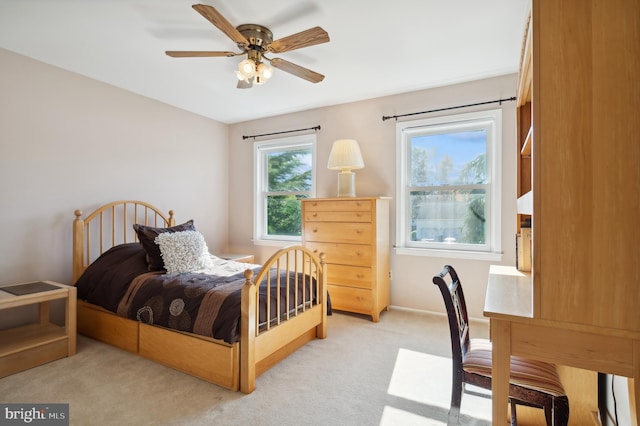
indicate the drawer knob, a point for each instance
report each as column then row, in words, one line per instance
column 358, row 253
column 315, row 229
column 314, row 215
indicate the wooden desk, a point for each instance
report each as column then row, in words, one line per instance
column 515, row 331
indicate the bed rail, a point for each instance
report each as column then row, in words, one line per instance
column 111, row 225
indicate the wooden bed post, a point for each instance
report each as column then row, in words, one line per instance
column 321, row 330
column 78, row 249
column 248, row 335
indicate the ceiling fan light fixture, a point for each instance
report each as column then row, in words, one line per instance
column 264, row 71
column 247, row 68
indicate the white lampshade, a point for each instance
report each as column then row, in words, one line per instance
column 345, row 155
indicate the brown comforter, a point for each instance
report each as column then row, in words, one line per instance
column 198, row 303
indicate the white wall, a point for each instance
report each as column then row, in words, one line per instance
column 411, row 286
column 68, row 142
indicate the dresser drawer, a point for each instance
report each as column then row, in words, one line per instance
column 344, row 254
column 359, row 233
column 353, row 276
column 351, row 299
column 341, row 205
column 337, row 216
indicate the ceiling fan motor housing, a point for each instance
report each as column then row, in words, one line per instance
column 259, row 37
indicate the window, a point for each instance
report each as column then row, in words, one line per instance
column 449, row 185
column 285, row 173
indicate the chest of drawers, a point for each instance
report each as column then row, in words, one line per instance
column 354, row 235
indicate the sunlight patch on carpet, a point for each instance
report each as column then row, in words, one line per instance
column 426, row 379
column 394, row 416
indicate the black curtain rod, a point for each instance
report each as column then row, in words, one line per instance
column 279, row 133
column 385, row 118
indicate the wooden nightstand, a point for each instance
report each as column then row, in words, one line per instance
column 237, row 257
column 30, row 345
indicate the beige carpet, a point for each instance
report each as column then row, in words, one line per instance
column 395, row 372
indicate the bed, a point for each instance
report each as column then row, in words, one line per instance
column 275, row 308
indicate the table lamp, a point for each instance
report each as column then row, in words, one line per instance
column 345, row 156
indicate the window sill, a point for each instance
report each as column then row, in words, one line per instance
column 451, row 254
column 276, row 243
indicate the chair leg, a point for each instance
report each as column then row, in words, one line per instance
column 454, row 416
column 457, row 389
column 514, row 417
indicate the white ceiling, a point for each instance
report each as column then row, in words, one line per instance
column 377, row 47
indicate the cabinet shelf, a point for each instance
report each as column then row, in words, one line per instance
column 29, row 336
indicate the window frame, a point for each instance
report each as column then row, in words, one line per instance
column 491, row 120
column 260, row 151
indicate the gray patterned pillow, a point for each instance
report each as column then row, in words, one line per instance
column 183, row 251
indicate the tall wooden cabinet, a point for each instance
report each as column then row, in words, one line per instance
column 586, row 162
column 354, row 235
column 580, row 97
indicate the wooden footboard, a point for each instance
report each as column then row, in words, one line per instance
column 233, row 366
column 262, row 347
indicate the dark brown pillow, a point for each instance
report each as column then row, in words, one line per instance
column 147, row 236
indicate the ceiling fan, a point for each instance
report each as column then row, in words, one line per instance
column 255, row 41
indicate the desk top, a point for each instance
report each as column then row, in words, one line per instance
column 509, row 293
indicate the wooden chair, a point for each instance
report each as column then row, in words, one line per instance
column 532, row 383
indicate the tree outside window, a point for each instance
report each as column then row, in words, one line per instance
column 286, row 175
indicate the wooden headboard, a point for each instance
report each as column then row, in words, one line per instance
column 109, row 226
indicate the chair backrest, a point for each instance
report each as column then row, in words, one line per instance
column 451, row 288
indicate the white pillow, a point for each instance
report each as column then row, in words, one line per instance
column 183, row 251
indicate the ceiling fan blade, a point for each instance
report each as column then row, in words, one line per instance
column 297, row 70
column 310, row 37
column 196, row 54
column 213, row 16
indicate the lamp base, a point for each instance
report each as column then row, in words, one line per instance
column 346, row 184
